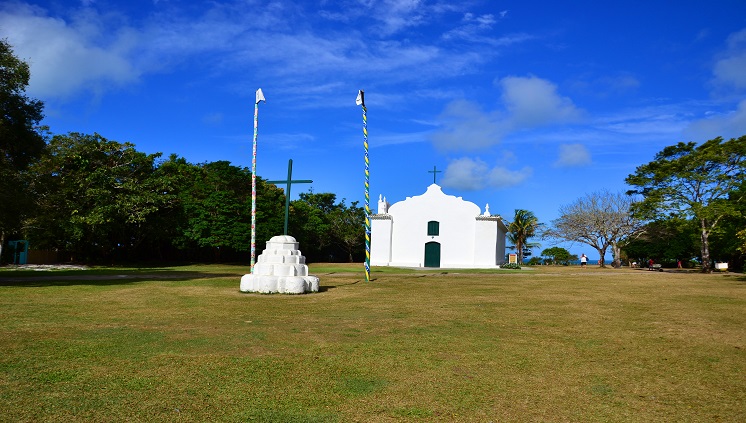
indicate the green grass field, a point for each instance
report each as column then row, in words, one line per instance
column 546, row 344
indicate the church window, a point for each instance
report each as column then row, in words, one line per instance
column 433, row 228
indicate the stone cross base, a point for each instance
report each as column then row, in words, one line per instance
column 280, row 269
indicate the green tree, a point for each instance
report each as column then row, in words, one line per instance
column 558, row 255
column 21, row 142
column 217, row 210
column 742, row 241
column 724, row 239
column 326, row 229
column 665, row 241
column 524, row 226
column 310, row 225
column 94, row 197
column 348, row 228
column 166, row 238
column 696, row 181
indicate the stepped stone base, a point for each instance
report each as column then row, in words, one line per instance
column 280, row 269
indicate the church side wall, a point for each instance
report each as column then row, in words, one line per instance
column 380, row 240
column 485, row 243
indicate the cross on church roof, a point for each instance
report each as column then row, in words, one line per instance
column 435, row 172
column 289, row 182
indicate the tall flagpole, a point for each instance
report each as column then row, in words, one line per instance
column 361, row 102
column 259, row 97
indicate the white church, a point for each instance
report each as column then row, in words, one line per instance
column 436, row 230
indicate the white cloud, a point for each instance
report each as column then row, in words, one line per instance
column 572, row 155
column 474, row 174
column 67, row 57
column 466, row 174
column 731, row 69
column 474, row 26
column 529, row 102
column 501, row 177
column 466, row 127
column 399, row 14
column 390, row 16
column 728, row 125
column 533, row 101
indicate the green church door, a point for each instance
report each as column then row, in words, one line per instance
column 432, row 254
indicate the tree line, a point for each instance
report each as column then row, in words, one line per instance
column 98, row 200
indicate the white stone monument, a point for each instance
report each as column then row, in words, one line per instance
column 281, row 268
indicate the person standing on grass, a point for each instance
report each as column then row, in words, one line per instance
column 650, row 264
column 583, row 261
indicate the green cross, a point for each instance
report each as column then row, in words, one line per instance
column 288, row 183
column 435, row 171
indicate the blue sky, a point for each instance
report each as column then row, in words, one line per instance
column 520, row 104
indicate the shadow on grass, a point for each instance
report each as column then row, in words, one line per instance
column 739, row 278
column 102, row 277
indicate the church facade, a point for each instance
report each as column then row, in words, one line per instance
column 436, row 230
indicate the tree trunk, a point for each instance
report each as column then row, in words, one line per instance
column 706, row 268
column 2, row 242
column 616, row 255
column 519, row 251
column 602, row 257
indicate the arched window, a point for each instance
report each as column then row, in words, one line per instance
column 433, row 228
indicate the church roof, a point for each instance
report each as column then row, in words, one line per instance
column 435, row 195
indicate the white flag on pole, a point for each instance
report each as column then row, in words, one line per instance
column 260, row 96
column 360, row 100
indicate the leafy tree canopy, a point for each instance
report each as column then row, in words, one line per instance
column 696, row 181
column 558, row 255
column 94, row 195
column 665, row 241
column 20, row 140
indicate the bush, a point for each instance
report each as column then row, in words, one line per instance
column 534, row 261
column 510, row 266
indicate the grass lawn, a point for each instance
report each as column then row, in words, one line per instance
column 545, row 344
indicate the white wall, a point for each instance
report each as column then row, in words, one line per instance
column 380, row 240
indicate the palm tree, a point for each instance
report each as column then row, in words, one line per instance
column 523, row 227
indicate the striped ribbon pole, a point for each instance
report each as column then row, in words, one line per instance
column 259, row 97
column 361, row 102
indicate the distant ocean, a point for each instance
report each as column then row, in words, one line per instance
column 591, row 261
